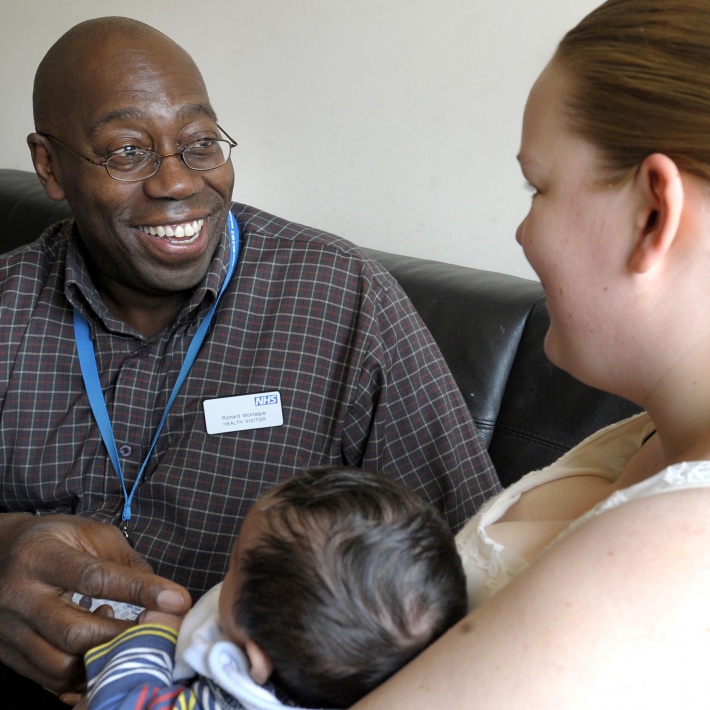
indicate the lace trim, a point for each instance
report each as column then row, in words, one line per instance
column 487, row 556
column 685, row 475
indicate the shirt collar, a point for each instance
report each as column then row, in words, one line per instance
column 80, row 291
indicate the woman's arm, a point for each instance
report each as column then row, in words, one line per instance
column 615, row 616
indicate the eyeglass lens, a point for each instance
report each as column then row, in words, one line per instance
column 137, row 164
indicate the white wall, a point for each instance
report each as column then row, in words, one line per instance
column 394, row 123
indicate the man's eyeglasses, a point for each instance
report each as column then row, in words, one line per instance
column 134, row 164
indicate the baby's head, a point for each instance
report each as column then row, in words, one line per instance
column 338, row 578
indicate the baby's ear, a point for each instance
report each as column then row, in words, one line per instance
column 261, row 665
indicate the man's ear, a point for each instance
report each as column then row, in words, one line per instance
column 45, row 166
column 661, row 188
column 261, row 665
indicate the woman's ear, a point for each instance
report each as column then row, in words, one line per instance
column 660, row 186
column 45, row 166
column 261, row 665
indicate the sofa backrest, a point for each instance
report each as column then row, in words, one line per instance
column 488, row 326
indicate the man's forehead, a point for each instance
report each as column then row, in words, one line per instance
column 114, row 73
column 127, row 114
column 136, row 64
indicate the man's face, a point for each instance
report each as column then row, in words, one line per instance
column 137, row 93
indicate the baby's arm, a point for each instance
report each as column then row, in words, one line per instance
column 160, row 618
column 134, row 671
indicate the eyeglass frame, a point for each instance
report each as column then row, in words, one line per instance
column 232, row 144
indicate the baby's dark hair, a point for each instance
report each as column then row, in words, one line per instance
column 354, row 576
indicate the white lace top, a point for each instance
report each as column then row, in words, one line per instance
column 489, row 566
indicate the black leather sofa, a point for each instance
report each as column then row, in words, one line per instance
column 489, row 326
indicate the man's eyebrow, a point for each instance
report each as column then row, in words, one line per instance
column 190, row 110
column 117, row 115
column 187, row 111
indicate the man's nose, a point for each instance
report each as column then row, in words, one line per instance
column 173, row 179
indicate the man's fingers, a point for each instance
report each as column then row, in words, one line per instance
column 49, row 668
column 105, row 610
column 111, row 544
column 72, row 630
column 43, row 561
column 100, row 540
column 81, row 572
column 107, row 580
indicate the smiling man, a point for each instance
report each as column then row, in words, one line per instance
column 220, row 354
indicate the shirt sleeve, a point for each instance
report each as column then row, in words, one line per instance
column 134, row 672
column 411, row 416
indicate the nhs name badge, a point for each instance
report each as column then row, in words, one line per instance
column 244, row 412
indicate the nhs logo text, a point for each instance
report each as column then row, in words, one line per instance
column 263, row 399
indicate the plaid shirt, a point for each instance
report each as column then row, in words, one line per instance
column 361, row 380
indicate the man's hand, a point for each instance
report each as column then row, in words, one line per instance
column 43, row 635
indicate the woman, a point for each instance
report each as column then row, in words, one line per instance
column 615, row 613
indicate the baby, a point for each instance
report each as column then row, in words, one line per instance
column 338, row 578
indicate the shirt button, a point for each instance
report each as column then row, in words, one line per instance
column 142, row 352
column 125, row 450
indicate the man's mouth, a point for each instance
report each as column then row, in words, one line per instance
column 183, row 233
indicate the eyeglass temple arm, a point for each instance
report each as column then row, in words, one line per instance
column 231, row 140
column 76, row 152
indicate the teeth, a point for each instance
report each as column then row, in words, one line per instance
column 179, row 231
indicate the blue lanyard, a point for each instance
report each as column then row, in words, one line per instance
column 92, row 382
